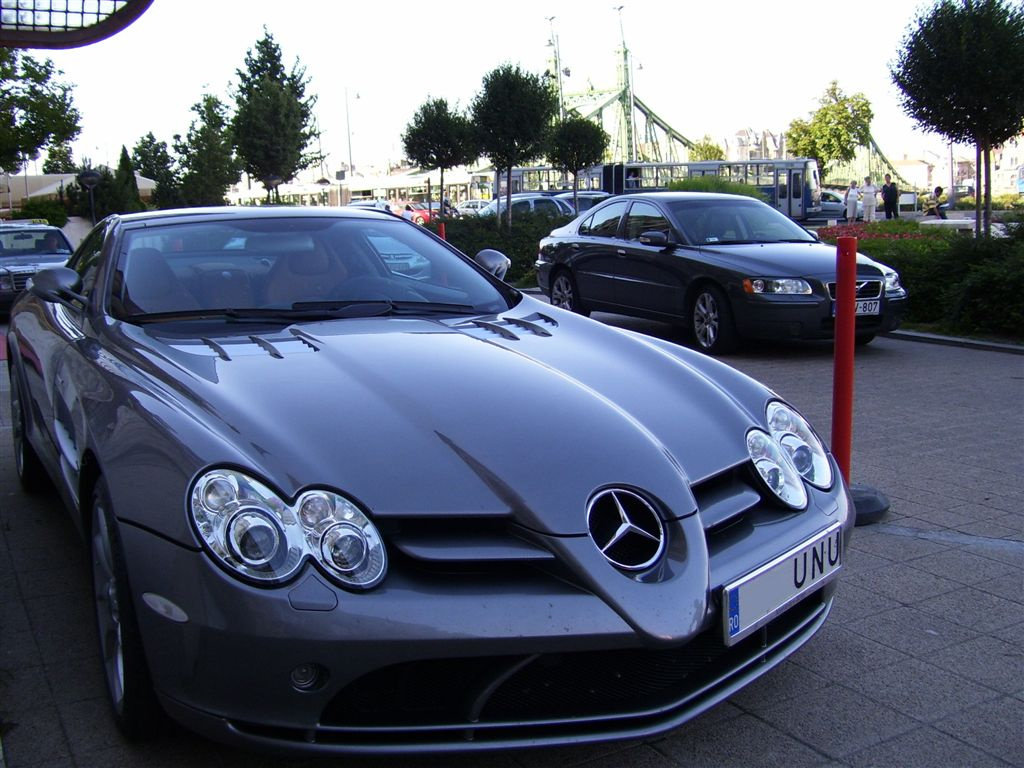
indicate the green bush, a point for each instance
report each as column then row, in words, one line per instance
column 474, row 233
column 51, row 210
column 1005, row 202
column 715, row 184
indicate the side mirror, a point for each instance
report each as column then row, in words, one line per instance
column 57, row 284
column 495, row 262
column 656, row 239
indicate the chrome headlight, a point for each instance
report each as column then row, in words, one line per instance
column 806, row 451
column 892, row 280
column 780, row 285
column 776, row 469
column 255, row 533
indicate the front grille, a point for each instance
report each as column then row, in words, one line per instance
column 549, row 696
column 866, row 289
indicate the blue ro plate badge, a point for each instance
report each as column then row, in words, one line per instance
column 752, row 601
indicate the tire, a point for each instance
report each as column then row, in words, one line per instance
column 31, row 472
column 564, row 294
column 863, row 339
column 129, row 688
column 711, row 322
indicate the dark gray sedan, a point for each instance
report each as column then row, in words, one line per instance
column 333, row 506
column 725, row 267
column 25, row 248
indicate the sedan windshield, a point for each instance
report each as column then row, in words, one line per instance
column 293, row 269
column 731, row 221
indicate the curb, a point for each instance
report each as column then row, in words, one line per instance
column 956, row 341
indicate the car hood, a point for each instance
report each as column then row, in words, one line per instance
column 30, row 262
column 815, row 259
column 525, row 414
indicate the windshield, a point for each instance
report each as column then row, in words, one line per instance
column 725, row 221
column 293, row 269
column 18, row 243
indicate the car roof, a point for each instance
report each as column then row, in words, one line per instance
column 228, row 212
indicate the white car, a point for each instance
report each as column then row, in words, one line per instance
column 833, row 207
column 530, row 202
column 470, row 207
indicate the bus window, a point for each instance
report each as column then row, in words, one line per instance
column 798, row 185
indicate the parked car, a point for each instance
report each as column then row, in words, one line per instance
column 529, row 202
column 417, row 213
column 380, row 205
column 726, row 267
column 586, row 199
column 333, row 508
column 833, row 207
column 25, row 248
column 470, row 207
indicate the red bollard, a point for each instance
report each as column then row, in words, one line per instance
column 845, row 337
column 440, row 230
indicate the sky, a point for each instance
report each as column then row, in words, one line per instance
column 708, row 68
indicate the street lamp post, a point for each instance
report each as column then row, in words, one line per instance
column 89, row 179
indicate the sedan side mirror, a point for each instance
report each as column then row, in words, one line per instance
column 495, row 262
column 656, row 239
column 57, row 284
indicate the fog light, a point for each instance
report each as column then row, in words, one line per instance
column 306, row 677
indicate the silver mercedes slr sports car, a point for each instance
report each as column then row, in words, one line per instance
column 335, row 504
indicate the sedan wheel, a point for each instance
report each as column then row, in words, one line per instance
column 564, row 294
column 31, row 473
column 124, row 667
column 712, row 323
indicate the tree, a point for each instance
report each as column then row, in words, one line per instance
column 35, row 109
column 576, row 143
column 59, row 159
column 124, row 196
column 152, row 159
column 273, row 123
column 835, row 130
column 961, row 72
column 512, row 114
column 706, row 149
column 440, row 138
column 206, row 155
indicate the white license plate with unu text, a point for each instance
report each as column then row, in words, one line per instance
column 752, row 601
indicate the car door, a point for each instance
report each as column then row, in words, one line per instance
column 71, row 363
column 595, row 254
column 650, row 276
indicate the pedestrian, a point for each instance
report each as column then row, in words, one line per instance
column 935, row 207
column 891, row 198
column 869, row 196
column 850, row 198
column 407, row 213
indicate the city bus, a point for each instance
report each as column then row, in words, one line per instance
column 1020, row 179
column 793, row 185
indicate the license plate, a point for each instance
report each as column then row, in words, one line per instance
column 863, row 307
column 752, row 601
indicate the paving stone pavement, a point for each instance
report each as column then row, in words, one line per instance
column 920, row 664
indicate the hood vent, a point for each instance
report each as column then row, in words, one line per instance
column 295, row 341
column 533, row 324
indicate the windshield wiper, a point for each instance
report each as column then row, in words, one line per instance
column 385, row 307
column 312, row 311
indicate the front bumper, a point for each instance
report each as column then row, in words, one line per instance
column 442, row 662
column 808, row 318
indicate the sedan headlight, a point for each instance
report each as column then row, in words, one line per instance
column 258, row 535
column 795, row 435
column 892, row 281
column 781, row 285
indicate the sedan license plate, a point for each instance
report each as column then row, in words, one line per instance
column 863, row 307
column 752, row 601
